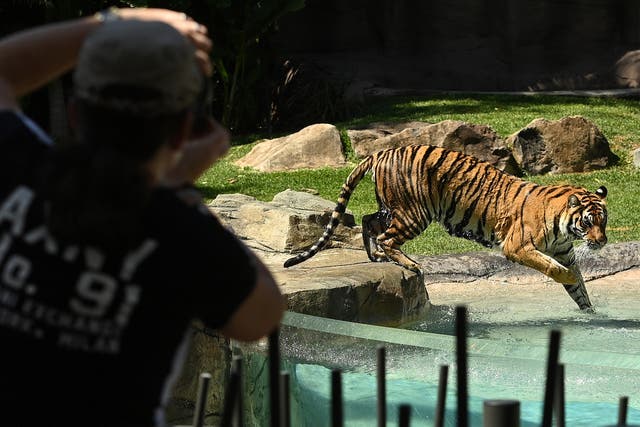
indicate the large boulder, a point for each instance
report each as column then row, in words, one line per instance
column 315, row 146
column 343, row 284
column 476, row 140
column 472, row 266
column 364, row 137
column 627, row 69
column 292, row 222
column 571, row 144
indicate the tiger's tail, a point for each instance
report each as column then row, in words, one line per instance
column 347, row 189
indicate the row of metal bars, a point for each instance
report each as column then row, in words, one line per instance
column 496, row 413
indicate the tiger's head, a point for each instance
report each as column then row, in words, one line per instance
column 588, row 217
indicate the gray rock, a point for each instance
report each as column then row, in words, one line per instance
column 471, row 266
column 343, row 284
column 363, row 137
column 315, row 146
column 462, row 267
column 571, row 144
column 301, row 200
column 636, row 157
column 627, row 69
column 476, row 140
column 280, row 225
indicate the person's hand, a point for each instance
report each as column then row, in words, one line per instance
column 194, row 31
column 199, row 153
column 212, row 141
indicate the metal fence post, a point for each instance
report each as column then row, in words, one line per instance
column 501, row 413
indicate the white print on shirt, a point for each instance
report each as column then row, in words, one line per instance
column 99, row 308
column 14, row 209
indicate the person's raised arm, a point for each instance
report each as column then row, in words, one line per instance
column 31, row 58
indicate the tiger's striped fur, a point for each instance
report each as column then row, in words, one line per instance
column 534, row 225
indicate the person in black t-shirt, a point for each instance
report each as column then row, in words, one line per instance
column 105, row 256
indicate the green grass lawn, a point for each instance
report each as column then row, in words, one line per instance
column 618, row 119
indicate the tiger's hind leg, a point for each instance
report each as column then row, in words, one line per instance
column 372, row 226
column 393, row 238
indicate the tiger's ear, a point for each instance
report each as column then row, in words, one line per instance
column 602, row 192
column 573, row 201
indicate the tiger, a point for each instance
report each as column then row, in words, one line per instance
column 533, row 225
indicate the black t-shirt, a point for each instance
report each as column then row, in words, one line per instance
column 89, row 337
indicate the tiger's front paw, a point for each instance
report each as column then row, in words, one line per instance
column 413, row 267
column 588, row 309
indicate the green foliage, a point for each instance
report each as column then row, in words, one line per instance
column 618, row 119
column 243, row 62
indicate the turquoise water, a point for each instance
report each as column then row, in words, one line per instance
column 609, row 330
column 507, row 360
column 360, row 402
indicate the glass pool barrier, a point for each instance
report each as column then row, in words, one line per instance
column 506, row 368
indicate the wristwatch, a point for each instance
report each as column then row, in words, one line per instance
column 108, row 15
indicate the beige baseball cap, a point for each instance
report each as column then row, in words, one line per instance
column 147, row 55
